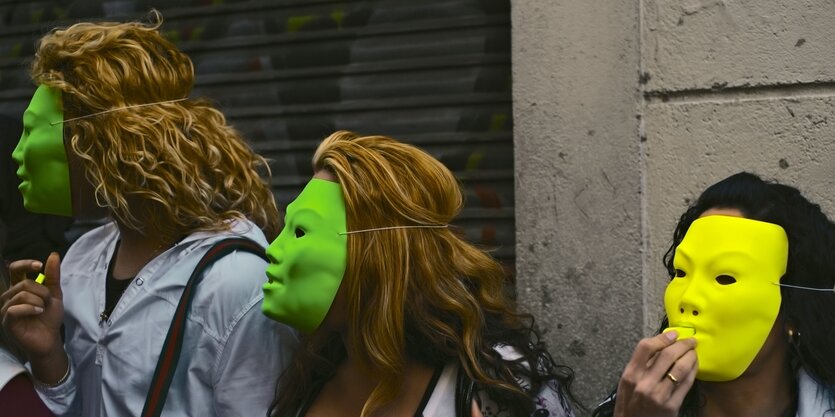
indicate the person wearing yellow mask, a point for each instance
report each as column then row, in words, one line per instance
column 748, row 328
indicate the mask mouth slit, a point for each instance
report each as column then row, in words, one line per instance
column 683, row 331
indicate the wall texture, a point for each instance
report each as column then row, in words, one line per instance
column 578, row 180
column 624, row 112
column 733, row 86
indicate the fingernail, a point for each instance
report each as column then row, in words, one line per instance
column 37, row 265
column 671, row 335
column 38, row 310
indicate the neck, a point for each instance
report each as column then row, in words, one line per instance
column 355, row 371
column 766, row 393
column 354, row 383
column 135, row 251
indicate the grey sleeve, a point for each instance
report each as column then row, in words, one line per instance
column 256, row 352
column 63, row 400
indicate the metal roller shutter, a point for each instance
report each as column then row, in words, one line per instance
column 435, row 73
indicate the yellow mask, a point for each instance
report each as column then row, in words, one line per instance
column 725, row 293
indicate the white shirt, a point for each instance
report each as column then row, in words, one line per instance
column 813, row 399
column 10, row 367
column 441, row 403
column 232, row 354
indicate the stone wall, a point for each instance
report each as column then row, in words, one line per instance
column 623, row 113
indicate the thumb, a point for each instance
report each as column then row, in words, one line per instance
column 53, row 275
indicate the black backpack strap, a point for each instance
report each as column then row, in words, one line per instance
column 170, row 353
column 463, row 394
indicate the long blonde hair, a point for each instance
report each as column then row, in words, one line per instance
column 163, row 169
column 416, row 293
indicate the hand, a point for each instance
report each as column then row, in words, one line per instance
column 32, row 313
column 647, row 387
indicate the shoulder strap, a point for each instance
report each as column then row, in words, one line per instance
column 170, row 353
column 463, row 394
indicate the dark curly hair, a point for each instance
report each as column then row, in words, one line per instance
column 811, row 246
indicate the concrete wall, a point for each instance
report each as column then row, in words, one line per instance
column 731, row 86
column 624, row 112
column 578, row 179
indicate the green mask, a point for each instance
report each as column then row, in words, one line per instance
column 308, row 258
column 41, row 158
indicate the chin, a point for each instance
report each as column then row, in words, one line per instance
column 270, row 314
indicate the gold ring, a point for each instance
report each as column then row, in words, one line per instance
column 672, row 378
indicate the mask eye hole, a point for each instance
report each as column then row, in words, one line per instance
column 725, row 280
column 299, row 232
column 680, row 273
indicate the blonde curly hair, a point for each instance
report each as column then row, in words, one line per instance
column 167, row 169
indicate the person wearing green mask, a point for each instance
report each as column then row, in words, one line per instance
column 751, row 279
column 310, row 254
column 23, row 234
column 111, row 130
column 43, row 167
column 397, row 309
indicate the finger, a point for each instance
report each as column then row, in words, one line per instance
column 652, row 359
column 25, row 286
column 22, row 298
column 646, row 351
column 674, row 377
column 685, row 382
column 25, row 297
column 683, row 366
column 20, row 311
column 649, row 347
column 53, row 275
column 19, row 269
column 668, row 356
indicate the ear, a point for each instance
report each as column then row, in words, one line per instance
column 791, row 332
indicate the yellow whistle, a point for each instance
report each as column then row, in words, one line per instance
column 40, row 279
column 683, row 332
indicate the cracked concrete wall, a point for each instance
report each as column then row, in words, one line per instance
column 703, row 44
column 732, row 86
column 578, row 181
column 623, row 113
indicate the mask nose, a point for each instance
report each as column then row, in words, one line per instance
column 688, row 310
column 275, row 252
column 691, row 303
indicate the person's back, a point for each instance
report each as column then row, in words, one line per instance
column 176, row 181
